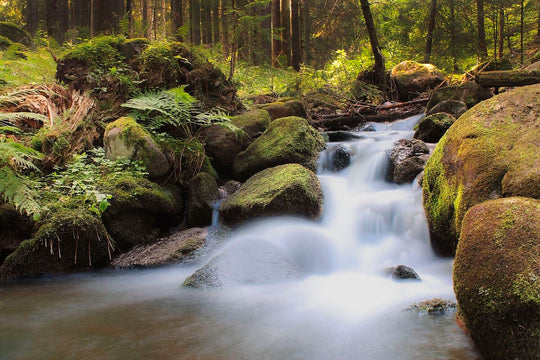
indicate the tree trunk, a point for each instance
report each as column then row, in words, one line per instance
column 93, row 18
column 144, row 11
column 195, row 21
column 307, row 33
column 206, row 21
column 286, row 25
column 521, row 29
column 374, row 41
column 80, row 10
column 482, row 46
column 431, row 28
column 501, row 33
column 32, row 16
column 538, row 25
column 225, row 5
column 276, row 31
column 107, row 15
column 154, row 19
column 176, row 17
column 295, row 35
column 129, row 16
column 507, row 78
column 57, row 19
column 215, row 21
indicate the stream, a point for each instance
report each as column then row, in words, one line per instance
column 294, row 289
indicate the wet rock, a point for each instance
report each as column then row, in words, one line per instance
column 289, row 108
column 245, row 262
column 406, row 148
column 455, row 108
column 497, row 277
column 434, row 307
column 402, row 272
column 413, row 78
column 406, row 171
column 341, row 158
column 287, row 140
column 168, row 250
column 229, row 188
column 470, row 93
column 203, row 192
column 126, row 138
column 287, row 189
column 432, row 128
column 367, row 127
column 338, row 136
column 489, row 152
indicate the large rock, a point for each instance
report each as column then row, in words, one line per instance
column 287, row 140
column 407, row 170
column 470, row 93
column 287, row 189
column 223, row 144
column 203, row 192
column 432, row 128
column 413, row 78
column 126, row 138
column 489, row 152
column 285, row 109
column 497, row 277
column 406, row 148
column 169, row 250
column 455, row 108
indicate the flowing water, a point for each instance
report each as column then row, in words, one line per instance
column 293, row 289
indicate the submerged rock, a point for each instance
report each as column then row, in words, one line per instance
column 287, row 189
column 433, row 307
column 287, row 140
column 341, row 158
column 413, row 78
column 171, row 249
column 455, row 108
column 497, row 277
column 432, row 128
column 489, row 152
column 402, row 272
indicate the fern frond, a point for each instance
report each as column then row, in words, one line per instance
column 15, row 97
column 17, row 191
column 10, row 130
column 22, row 116
column 17, row 156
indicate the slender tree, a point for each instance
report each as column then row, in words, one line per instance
column 57, row 19
column 307, row 33
column 215, row 22
column 195, row 21
column 276, row 31
column 482, row 45
column 144, row 18
column 224, row 8
column 129, row 16
column 379, row 69
column 32, row 16
column 286, row 25
column 501, row 32
column 206, row 21
column 296, row 50
column 176, row 17
column 431, row 28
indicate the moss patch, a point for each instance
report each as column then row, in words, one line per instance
column 489, row 152
column 15, row 33
column 497, row 277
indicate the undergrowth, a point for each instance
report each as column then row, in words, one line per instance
column 37, row 68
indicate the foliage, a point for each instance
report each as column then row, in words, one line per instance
column 99, row 53
column 38, row 68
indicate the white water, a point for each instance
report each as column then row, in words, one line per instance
column 293, row 289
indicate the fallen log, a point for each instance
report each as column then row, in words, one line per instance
column 507, row 78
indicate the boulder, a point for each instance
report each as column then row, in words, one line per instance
column 432, row 128
column 172, row 249
column 126, row 138
column 337, row 136
column 282, row 109
column 406, row 148
column 287, row 189
column 407, row 170
column 433, row 307
column 469, row 92
column 203, row 192
column 402, row 272
column 223, row 144
column 242, row 263
column 497, row 277
column 229, row 188
column 341, row 158
column 489, row 152
column 455, row 108
column 287, row 140
column 413, row 78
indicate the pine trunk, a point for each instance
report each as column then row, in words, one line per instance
column 276, row 31
column 215, row 22
column 307, row 33
column 144, row 11
column 431, row 29
column 225, row 5
column 32, row 16
column 176, row 17
column 482, row 45
column 286, row 25
column 295, row 35
column 501, row 33
column 374, row 41
column 195, row 21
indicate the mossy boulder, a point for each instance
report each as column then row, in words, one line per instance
column 287, row 108
column 497, row 277
column 286, row 140
column 489, row 152
column 289, row 189
column 469, row 92
column 69, row 238
column 131, row 48
column 15, row 33
column 5, row 43
column 223, row 144
column 455, row 108
column 126, row 138
column 14, row 228
column 413, row 78
column 140, row 210
column 203, row 192
column 432, row 128
column 171, row 249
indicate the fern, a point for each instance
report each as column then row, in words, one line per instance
column 7, row 129
column 17, row 156
column 18, row 191
column 15, row 97
column 15, row 117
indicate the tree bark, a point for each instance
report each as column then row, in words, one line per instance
column 501, row 33
column 195, row 21
column 307, row 33
column 206, row 22
column 507, row 78
column 276, row 31
column 144, row 11
column 431, row 28
column 379, row 69
column 176, row 17
column 286, row 25
column 225, row 5
column 129, row 15
column 295, row 35
column 57, row 19
column 215, row 22
column 482, row 45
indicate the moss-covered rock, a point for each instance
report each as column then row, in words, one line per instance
column 69, row 237
column 289, row 189
column 455, row 108
column 14, row 228
column 203, row 191
column 139, row 210
column 5, row 43
column 469, row 92
column 223, row 144
column 489, row 152
column 413, row 78
column 432, row 128
column 497, row 277
column 15, row 33
column 287, row 140
column 288, row 108
column 126, row 138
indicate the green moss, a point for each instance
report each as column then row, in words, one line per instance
column 100, row 53
column 5, row 43
column 15, row 33
column 131, row 132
